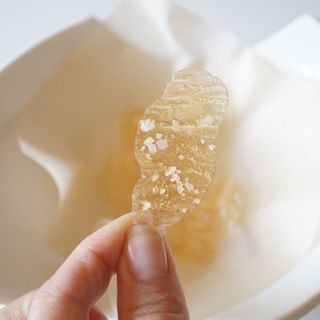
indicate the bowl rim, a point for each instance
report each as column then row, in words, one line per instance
column 265, row 299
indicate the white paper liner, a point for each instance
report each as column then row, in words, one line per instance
column 269, row 143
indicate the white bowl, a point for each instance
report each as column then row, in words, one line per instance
column 27, row 208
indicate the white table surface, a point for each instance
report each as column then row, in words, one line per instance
column 25, row 23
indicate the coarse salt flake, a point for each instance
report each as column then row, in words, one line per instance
column 159, row 135
column 170, row 171
column 147, row 125
column 180, row 188
column 175, row 124
column 196, row 200
column 175, row 177
column 189, row 186
column 146, row 205
column 149, row 142
column 155, row 177
column 205, row 121
column 162, row 144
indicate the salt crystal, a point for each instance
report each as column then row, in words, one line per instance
column 211, row 147
column 147, row 125
column 196, row 200
column 189, row 186
column 180, row 188
column 175, row 177
column 159, row 135
column 155, row 177
column 170, row 171
column 175, row 124
column 205, row 121
column 146, row 205
column 162, row 144
column 149, row 142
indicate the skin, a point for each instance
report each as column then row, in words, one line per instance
column 148, row 285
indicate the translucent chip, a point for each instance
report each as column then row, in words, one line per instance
column 175, row 146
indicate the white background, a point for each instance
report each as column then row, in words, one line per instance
column 25, row 23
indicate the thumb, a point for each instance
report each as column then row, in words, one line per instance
column 148, row 285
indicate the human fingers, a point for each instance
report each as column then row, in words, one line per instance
column 19, row 308
column 83, row 277
column 148, row 285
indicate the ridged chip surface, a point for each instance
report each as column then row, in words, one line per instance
column 175, row 146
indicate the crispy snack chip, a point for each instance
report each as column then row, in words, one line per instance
column 175, row 146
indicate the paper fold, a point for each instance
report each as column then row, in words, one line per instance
column 268, row 143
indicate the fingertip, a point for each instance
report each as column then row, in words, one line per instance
column 148, row 285
column 146, row 253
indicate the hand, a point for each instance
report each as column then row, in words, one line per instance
column 148, row 286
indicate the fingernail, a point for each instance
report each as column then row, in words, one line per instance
column 146, row 252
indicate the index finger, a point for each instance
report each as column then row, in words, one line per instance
column 86, row 273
